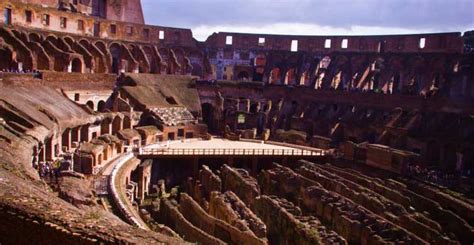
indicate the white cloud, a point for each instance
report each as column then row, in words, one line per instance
column 203, row 31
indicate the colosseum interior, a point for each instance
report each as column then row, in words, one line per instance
column 115, row 131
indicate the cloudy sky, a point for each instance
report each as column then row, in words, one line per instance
column 312, row 17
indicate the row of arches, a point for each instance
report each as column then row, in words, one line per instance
column 68, row 54
column 388, row 74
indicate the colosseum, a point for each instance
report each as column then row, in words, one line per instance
column 115, row 131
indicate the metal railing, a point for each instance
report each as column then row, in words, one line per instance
column 230, row 152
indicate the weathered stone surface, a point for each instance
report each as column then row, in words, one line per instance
column 287, row 225
column 241, row 183
column 229, row 208
column 215, row 227
column 76, row 191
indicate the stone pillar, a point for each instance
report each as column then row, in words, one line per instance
column 144, row 174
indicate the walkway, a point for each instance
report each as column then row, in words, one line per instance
column 223, row 147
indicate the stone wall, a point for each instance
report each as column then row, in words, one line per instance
column 215, row 227
column 241, row 183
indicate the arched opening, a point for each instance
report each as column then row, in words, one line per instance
column 90, row 104
column 101, row 106
column 116, row 53
column 243, row 75
column 127, row 123
column 259, row 64
column 105, row 126
column 290, row 77
column 66, row 139
column 76, row 65
column 274, row 76
column 116, row 125
column 208, row 115
column 304, row 81
column 7, row 63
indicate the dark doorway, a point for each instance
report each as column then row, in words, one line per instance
column 90, row 104
column 76, row 65
column 180, row 132
column 101, row 106
column 208, row 115
column 171, row 136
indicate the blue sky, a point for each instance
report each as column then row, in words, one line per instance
column 312, row 17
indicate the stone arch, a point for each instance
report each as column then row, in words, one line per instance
column 84, row 42
column 173, row 64
column 290, row 77
column 35, row 37
column 51, row 38
column 102, row 47
column 140, row 56
column 182, row 60
column 260, row 63
column 76, row 65
column 98, row 57
column 117, row 124
column 305, row 79
column 122, row 58
column 7, row 53
column 396, row 67
column 416, row 78
column 153, row 58
column 274, row 77
column 90, row 104
column 127, row 122
column 105, row 126
column 101, row 106
column 116, row 53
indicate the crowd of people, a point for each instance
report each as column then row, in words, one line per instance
column 36, row 73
